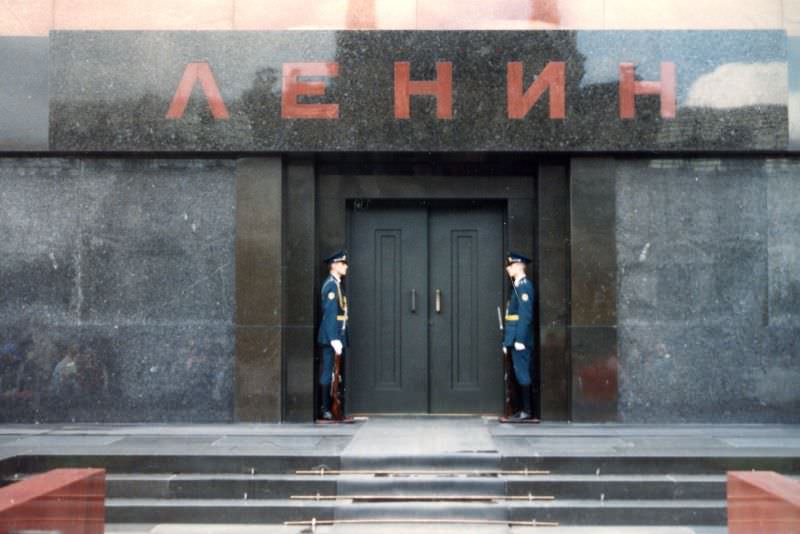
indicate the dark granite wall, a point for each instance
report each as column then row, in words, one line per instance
column 708, row 260
column 117, row 292
column 112, row 91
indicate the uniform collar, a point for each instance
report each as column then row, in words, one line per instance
column 335, row 278
column 519, row 280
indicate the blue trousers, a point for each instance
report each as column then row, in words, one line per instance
column 522, row 365
column 326, row 366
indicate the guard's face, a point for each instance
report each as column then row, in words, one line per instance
column 515, row 269
column 510, row 270
column 340, row 268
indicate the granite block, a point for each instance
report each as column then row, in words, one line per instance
column 707, row 310
column 111, row 91
column 593, row 243
column 595, row 369
column 793, row 44
column 301, row 298
column 24, row 97
column 691, row 238
column 258, row 373
column 762, row 501
column 553, row 289
column 783, row 197
column 259, row 242
column 118, row 290
column 71, row 501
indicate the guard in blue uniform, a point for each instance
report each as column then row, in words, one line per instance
column 333, row 326
column 518, row 336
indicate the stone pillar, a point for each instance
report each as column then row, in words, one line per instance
column 301, row 265
column 259, row 289
column 553, row 241
column 593, row 290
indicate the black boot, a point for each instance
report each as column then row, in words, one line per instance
column 525, row 401
column 325, row 396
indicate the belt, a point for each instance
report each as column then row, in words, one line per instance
column 340, row 318
column 512, row 317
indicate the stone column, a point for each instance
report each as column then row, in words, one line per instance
column 301, row 266
column 259, row 289
column 553, row 287
column 593, row 290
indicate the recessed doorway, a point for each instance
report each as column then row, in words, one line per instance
column 426, row 279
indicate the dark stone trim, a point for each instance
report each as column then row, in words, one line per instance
column 259, row 289
column 593, row 328
column 299, row 276
column 554, row 290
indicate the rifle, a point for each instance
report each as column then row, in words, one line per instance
column 508, row 373
column 336, row 400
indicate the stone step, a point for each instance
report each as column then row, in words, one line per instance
column 399, row 528
column 233, row 486
column 286, row 464
column 566, row 512
column 168, row 463
column 656, row 464
column 474, row 460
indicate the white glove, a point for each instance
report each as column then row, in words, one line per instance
column 505, row 349
column 337, row 346
column 519, row 346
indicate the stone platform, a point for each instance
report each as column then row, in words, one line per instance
column 228, row 478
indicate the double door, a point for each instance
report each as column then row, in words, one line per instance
column 424, row 285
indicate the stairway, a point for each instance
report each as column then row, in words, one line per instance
column 392, row 476
column 637, row 494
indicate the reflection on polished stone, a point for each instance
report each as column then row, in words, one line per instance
column 117, row 290
column 708, row 289
column 138, row 75
column 595, row 368
column 794, row 91
column 24, row 97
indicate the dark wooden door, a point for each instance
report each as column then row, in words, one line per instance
column 424, row 284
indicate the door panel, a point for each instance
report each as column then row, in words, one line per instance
column 387, row 364
column 466, row 270
column 424, row 284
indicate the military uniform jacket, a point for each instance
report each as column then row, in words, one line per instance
column 334, row 313
column 519, row 315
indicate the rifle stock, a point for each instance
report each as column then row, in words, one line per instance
column 508, row 372
column 508, row 380
column 336, row 401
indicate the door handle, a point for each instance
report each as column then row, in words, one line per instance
column 413, row 301
column 438, row 301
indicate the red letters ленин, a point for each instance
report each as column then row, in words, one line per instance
column 441, row 88
column 194, row 72
column 552, row 77
column 293, row 87
column 629, row 88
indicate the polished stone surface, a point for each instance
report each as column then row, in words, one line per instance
column 793, row 44
column 593, row 291
column 301, row 279
column 553, row 288
column 113, row 90
column 24, row 95
column 117, row 290
column 200, row 471
column 260, row 280
column 708, row 302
